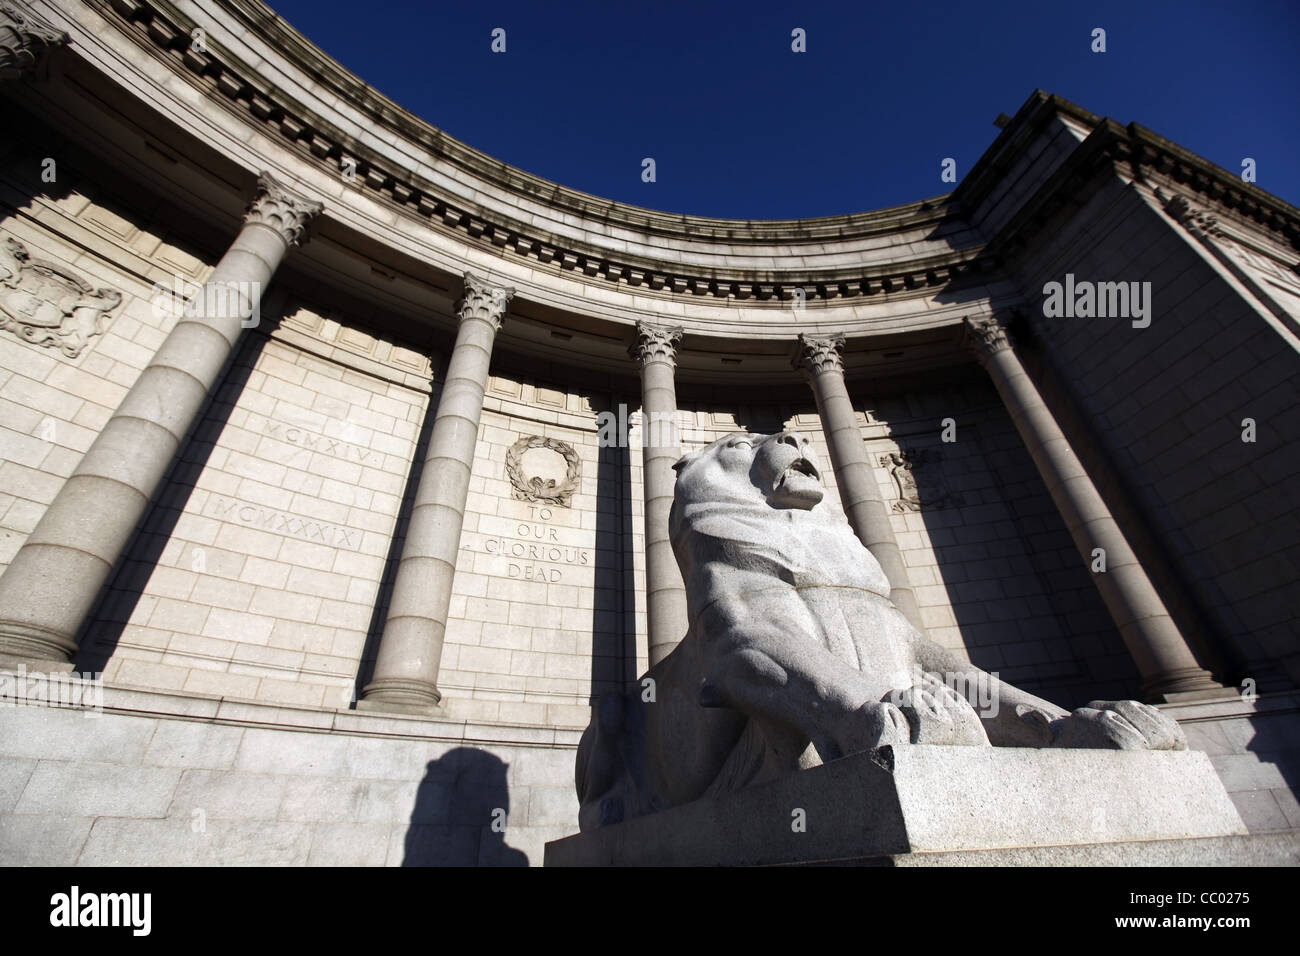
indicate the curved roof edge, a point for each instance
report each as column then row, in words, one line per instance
column 325, row 114
column 388, row 114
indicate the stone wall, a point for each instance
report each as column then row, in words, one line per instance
column 545, row 607
column 162, row 779
column 996, row 573
column 53, row 402
column 1254, row 745
column 1168, row 403
column 256, row 572
column 171, row 780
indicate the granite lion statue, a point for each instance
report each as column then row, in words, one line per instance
column 795, row 655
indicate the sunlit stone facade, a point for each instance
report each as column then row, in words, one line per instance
column 323, row 438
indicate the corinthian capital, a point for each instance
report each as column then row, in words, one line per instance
column 24, row 37
column 281, row 209
column 655, row 343
column 483, row 300
column 984, row 337
column 1199, row 222
column 820, row 353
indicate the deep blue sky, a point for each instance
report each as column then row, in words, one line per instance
column 742, row 127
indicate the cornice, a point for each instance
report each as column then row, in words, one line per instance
column 1145, row 157
column 342, row 82
column 1154, row 156
column 160, row 27
column 1026, row 126
column 163, row 27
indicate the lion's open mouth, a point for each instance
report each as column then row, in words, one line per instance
column 800, row 466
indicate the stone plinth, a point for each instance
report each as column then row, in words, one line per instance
column 877, row 805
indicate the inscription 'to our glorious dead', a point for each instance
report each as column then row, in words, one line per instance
column 551, row 553
column 539, row 546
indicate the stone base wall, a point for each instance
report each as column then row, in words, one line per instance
column 158, row 779
column 1255, row 747
column 170, row 780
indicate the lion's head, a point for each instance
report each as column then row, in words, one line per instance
column 781, row 470
column 751, row 488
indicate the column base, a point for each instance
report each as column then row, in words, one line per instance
column 400, row 695
column 1188, row 696
column 393, row 707
column 1193, row 683
column 33, row 665
column 32, row 644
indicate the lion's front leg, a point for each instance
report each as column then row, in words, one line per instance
column 1011, row 717
column 1016, row 718
column 783, row 675
column 831, row 714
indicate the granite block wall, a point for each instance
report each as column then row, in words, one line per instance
column 1169, row 404
column 53, row 404
column 160, row 779
column 226, row 785
column 256, row 572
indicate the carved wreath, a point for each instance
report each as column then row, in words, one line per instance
column 534, row 488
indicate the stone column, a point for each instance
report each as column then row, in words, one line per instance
column 1162, row 656
column 24, row 38
column 821, row 359
column 410, row 648
column 666, row 619
column 54, row 580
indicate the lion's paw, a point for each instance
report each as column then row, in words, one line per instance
column 876, row 724
column 1118, row 725
column 937, row 714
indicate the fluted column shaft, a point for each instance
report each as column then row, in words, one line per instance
column 1163, row 658
column 666, row 618
column 56, row 577
column 820, row 359
column 410, row 648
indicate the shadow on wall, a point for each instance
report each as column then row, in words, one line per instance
column 613, row 639
column 1020, row 595
column 393, row 559
column 1269, row 774
column 460, row 813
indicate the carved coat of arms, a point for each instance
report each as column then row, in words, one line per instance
column 916, row 483
column 46, row 305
